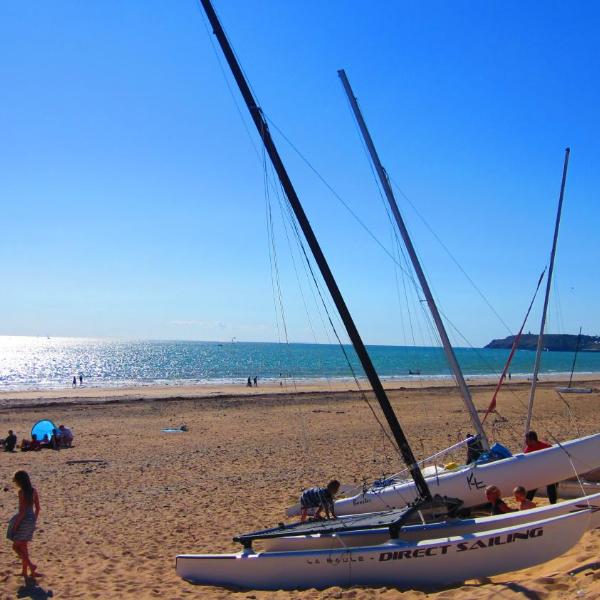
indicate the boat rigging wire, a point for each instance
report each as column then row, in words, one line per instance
column 342, row 201
column 514, row 348
column 449, row 253
column 337, row 196
column 335, row 332
column 372, row 235
column 276, row 289
column 204, row 20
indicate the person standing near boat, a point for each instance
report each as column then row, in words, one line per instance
column 533, row 444
column 22, row 525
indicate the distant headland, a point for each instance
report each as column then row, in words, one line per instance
column 552, row 342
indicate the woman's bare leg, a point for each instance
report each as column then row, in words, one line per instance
column 23, row 552
column 18, row 548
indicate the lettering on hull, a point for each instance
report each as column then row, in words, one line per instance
column 338, row 560
column 496, row 540
column 363, row 500
column 473, row 482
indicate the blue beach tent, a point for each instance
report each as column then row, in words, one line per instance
column 42, row 428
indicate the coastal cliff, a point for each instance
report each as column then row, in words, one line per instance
column 552, row 342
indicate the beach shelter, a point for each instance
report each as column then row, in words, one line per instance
column 42, row 428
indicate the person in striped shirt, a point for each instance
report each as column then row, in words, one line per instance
column 320, row 498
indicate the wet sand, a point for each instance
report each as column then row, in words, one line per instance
column 120, row 505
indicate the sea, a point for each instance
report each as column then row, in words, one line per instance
column 41, row 363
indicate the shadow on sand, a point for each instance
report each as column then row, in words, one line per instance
column 593, row 566
column 31, row 589
column 523, row 591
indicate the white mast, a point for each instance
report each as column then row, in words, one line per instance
column 540, row 343
column 450, row 356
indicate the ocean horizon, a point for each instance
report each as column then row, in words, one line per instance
column 42, row 363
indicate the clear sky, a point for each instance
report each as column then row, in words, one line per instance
column 132, row 197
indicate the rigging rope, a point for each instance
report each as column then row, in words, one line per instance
column 452, row 257
column 515, row 345
column 343, row 349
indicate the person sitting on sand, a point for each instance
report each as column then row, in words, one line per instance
column 320, row 498
column 66, row 437
column 9, row 442
column 533, row 444
column 34, row 444
column 520, row 494
column 494, row 497
column 55, row 439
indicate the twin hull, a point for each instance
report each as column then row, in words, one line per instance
column 431, row 562
column 533, row 470
column 449, row 528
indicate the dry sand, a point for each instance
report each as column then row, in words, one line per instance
column 120, row 505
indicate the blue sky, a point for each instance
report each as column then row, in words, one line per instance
column 133, row 201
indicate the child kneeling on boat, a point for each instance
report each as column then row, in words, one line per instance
column 320, row 498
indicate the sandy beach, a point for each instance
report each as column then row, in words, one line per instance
column 120, row 505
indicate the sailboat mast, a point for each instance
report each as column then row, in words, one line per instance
column 575, row 357
column 449, row 351
column 263, row 130
column 540, row 343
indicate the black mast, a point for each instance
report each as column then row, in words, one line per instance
column 263, row 130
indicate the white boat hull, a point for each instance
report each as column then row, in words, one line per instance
column 572, row 488
column 416, row 533
column 533, row 470
column 432, row 562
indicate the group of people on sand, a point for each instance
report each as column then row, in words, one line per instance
column 315, row 499
column 523, row 498
column 61, row 437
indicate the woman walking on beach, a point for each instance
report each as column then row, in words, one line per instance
column 22, row 525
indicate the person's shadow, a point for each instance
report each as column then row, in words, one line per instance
column 31, row 589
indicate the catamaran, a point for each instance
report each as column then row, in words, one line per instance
column 468, row 482
column 436, row 558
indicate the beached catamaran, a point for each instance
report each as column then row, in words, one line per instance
column 430, row 559
column 467, row 482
